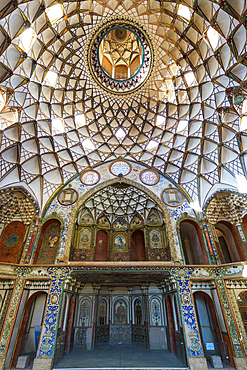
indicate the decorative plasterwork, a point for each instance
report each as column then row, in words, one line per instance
column 132, row 84
column 90, row 193
column 188, row 121
column 15, row 205
column 230, row 207
column 237, row 314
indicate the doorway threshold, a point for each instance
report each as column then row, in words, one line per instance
column 124, row 368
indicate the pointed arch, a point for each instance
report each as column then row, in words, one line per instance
column 91, row 192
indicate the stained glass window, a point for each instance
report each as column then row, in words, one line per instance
column 149, row 177
column 90, row 177
column 119, row 168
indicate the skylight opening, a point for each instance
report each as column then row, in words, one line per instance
column 243, row 123
column 51, row 78
column 120, row 134
column 27, row 39
column 80, row 120
column 55, row 12
column 57, row 126
column 87, row 144
column 242, row 183
column 190, row 78
column 244, row 107
column 182, row 125
column 196, row 206
column 213, row 37
column 160, row 120
column 2, row 101
column 174, row 69
column 184, row 12
column 152, row 145
column 4, row 124
column 171, row 96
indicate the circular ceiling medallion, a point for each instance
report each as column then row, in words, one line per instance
column 149, row 177
column 67, row 197
column 90, row 177
column 172, row 197
column 120, row 56
column 120, row 168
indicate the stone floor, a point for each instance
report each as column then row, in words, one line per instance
column 121, row 356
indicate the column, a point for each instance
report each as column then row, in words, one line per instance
column 238, row 353
column 146, row 309
column 171, row 324
column 211, row 250
column 27, row 255
column 96, row 289
column 69, row 324
column 193, row 344
column 47, row 344
column 9, row 322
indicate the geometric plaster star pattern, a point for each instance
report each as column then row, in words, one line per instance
column 188, row 119
column 121, row 201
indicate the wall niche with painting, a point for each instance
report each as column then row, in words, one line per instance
column 129, row 237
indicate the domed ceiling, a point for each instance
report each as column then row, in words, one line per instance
column 187, row 118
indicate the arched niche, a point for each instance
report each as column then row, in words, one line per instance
column 120, row 312
column 210, row 332
column 230, row 248
column 30, row 328
column 85, row 312
column 101, row 247
column 138, row 315
column 84, row 200
column 138, row 246
column 192, row 243
column 48, row 242
column 103, row 310
column 11, row 243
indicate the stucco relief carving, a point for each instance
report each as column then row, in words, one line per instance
column 238, row 318
column 88, row 194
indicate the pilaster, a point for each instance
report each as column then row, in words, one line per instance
column 229, row 320
column 11, row 315
column 48, row 336
column 193, row 343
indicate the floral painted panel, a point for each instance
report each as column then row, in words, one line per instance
column 85, row 239
column 136, row 222
column 48, row 251
column 155, row 239
column 11, row 242
column 120, row 225
column 85, row 313
column 155, row 312
column 103, row 222
column 86, row 218
column 120, row 242
column 153, row 219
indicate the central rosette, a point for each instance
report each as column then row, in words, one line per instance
column 120, row 56
column 120, row 53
